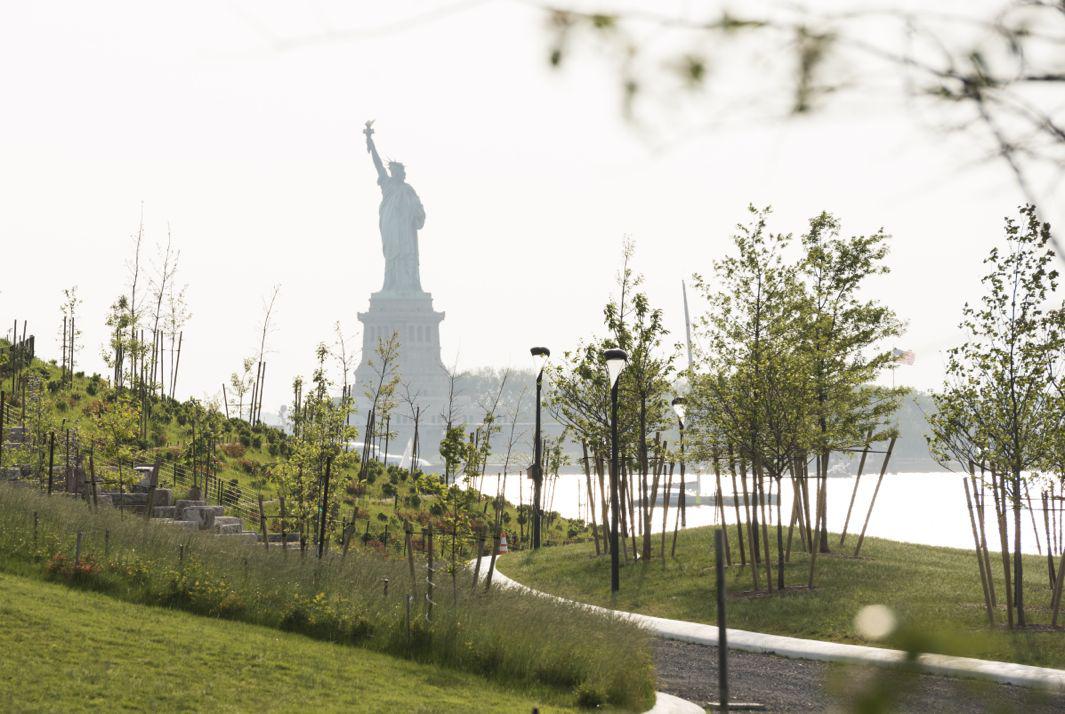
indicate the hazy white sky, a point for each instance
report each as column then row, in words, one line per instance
column 251, row 149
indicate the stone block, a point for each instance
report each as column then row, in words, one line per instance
column 204, row 515
column 17, row 435
column 182, row 503
column 162, row 497
column 163, row 512
column 128, row 500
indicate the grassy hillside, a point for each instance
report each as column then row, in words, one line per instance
column 358, row 599
column 241, row 456
column 71, row 650
column 933, row 591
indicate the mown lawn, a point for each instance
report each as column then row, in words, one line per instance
column 933, row 591
column 72, row 650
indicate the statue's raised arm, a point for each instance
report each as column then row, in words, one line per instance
column 372, row 149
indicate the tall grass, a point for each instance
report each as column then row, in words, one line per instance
column 509, row 636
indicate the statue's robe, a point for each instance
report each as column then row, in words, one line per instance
column 401, row 216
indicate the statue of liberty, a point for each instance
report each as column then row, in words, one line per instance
column 401, row 216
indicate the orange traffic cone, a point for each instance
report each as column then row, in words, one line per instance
column 503, row 544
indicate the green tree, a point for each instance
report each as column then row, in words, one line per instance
column 322, row 438
column 645, row 384
column 843, row 338
column 579, row 389
column 115, row 427
column 1000, row 404
column 381, row 391
column 751, row 393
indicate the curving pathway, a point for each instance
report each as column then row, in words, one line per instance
column 1044, row 678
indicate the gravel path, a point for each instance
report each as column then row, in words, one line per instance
column 794, row 685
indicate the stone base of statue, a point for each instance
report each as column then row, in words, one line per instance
column 411, row 317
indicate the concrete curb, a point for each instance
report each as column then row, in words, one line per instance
column 668, row 704
column 1021, row 675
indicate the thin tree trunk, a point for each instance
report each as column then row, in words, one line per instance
column 780, row 537
column 1000, row 513
column 1018, row 561
column 665, row 513
column 720, row 505
column 1055, row 598
column 794, row 516
column 806, row 503
column 751, row 510
column 736, row 506
column 979, row 496
column 979, row 556
column 603, row 500
column 752, row 526
column 591, row 494
column 1050, row 553
column 811, row 543
column 759, row 476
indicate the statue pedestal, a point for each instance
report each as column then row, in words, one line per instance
column 411, row 317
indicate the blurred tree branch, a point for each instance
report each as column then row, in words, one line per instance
column 997, row 75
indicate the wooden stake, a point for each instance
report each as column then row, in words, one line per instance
column 480, row 554
column 173, row 373
column 410, row 559
column 857, row 478
column 428, row 536
column 1031, row 512
column 262, row 524
column 284, row 534
column 872, row 501
column 92, row 475
column 496, row 538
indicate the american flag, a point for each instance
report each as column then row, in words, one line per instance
column 903, row 356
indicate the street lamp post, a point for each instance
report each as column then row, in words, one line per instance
column 680, row 406
column 615, row 362
column 539, row 355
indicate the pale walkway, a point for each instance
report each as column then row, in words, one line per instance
column 698, row 633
